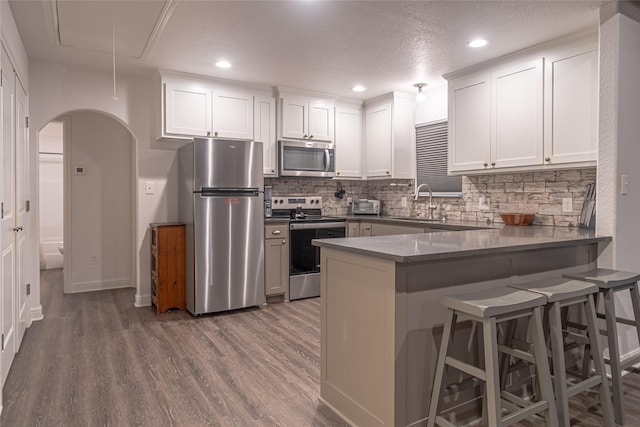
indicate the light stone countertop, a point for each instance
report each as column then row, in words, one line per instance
column 407, row 248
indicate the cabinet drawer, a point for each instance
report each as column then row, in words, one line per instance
column 276, row 231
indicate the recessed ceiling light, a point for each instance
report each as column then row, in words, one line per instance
column 358, row 88
column 477, row 43
column 223, row 64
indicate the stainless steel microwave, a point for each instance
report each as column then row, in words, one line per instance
column 306, row 158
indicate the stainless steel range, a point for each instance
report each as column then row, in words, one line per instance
column 305, row 224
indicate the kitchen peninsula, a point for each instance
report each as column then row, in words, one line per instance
column 381, row 318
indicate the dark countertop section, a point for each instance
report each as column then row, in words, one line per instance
column 454, row 224
column 268, row 221
column 407, row 248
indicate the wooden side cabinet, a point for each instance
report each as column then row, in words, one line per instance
column 168, row 266
column 276, row 260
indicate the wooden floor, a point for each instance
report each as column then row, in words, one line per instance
column 95, row 360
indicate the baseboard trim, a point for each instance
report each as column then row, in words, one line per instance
column 36, row 313
column 142, row 301
column 101, row 285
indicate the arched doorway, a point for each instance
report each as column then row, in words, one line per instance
column 99, row 221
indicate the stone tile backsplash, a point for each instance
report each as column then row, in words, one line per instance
column 530, row 192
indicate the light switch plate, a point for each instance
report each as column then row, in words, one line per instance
column 149, row 187
column 567, row 205
column 624, row 184
column 403, row 202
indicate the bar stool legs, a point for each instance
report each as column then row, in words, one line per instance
column 490, row 308
column 610, row 282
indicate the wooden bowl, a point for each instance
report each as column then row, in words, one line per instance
column 517, row 218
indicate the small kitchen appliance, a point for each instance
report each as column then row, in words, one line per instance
column 367, row 207
column 221, row 202
column 306, row 223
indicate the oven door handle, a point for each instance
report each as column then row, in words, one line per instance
column 327, row 160
column 316, row 225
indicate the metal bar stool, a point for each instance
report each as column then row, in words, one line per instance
column 489, row 308
column 560, row 293
column 609, row 283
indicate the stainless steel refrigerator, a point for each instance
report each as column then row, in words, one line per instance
column 222, row 204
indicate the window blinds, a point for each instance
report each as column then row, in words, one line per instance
column 431, row 155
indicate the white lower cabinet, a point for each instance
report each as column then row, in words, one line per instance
column 276, row 260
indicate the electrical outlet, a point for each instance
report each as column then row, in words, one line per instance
column 93, row 260
column 349, row 200
column 403, row 202
column 149, row 187
column 567, row 204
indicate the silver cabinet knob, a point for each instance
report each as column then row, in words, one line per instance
column 273, row 171
column 208, row 133
column 16, row 229
column 276, row 232
column 305, row 136
column 548, row 159
column 310, row 136
column 215, row 133
column 284, row 242
column 337, row 173
column 493, row 163
column 486, row 164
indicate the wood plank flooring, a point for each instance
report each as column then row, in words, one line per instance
column 95, row 360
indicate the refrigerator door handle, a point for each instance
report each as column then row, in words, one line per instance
column 242, row 192
column 327, row 160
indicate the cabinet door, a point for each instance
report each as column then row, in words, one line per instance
column 378, row 144
column 276, row 266
column 187, row 109
column 233, row 114
column 469, row 123
column 265, row 132
column 571, row 107
column 294, row 118
column 516, row 131
column 365, row 229
column 320, row 121
column 348, row 142
column 353, row 229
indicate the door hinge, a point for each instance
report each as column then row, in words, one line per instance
column 26, row 121
column 28, row 288
column 2, row 210
column 28, row 205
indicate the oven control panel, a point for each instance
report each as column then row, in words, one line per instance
column 294, row 202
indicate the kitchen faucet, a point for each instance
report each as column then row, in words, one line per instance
column 430, row 207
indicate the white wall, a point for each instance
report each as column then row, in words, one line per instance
column 619, row 152
column 57, row 89
column 51, row 207
column 101, row 220
column 435, row 108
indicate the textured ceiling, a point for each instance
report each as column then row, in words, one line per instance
column 324, row 46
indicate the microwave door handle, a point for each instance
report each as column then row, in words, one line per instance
column 327, row 160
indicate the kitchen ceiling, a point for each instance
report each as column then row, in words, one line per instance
column 324, row 46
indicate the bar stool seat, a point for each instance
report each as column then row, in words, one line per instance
column 611, row 282
column 562, row 292
column 489, row 308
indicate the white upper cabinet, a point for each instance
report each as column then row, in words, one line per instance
column 191, row 107
column 571, row 105
column 378, row 137
column 516, row 112
column 348, row 140
column 232, row 114
column 470, row 105
column 306, row 118
column 390, row 139
column 187, row 108
column 265, row 132
column 533, row 113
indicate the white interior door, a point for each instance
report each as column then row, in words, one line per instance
column 22, row 211
column 8, row 316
